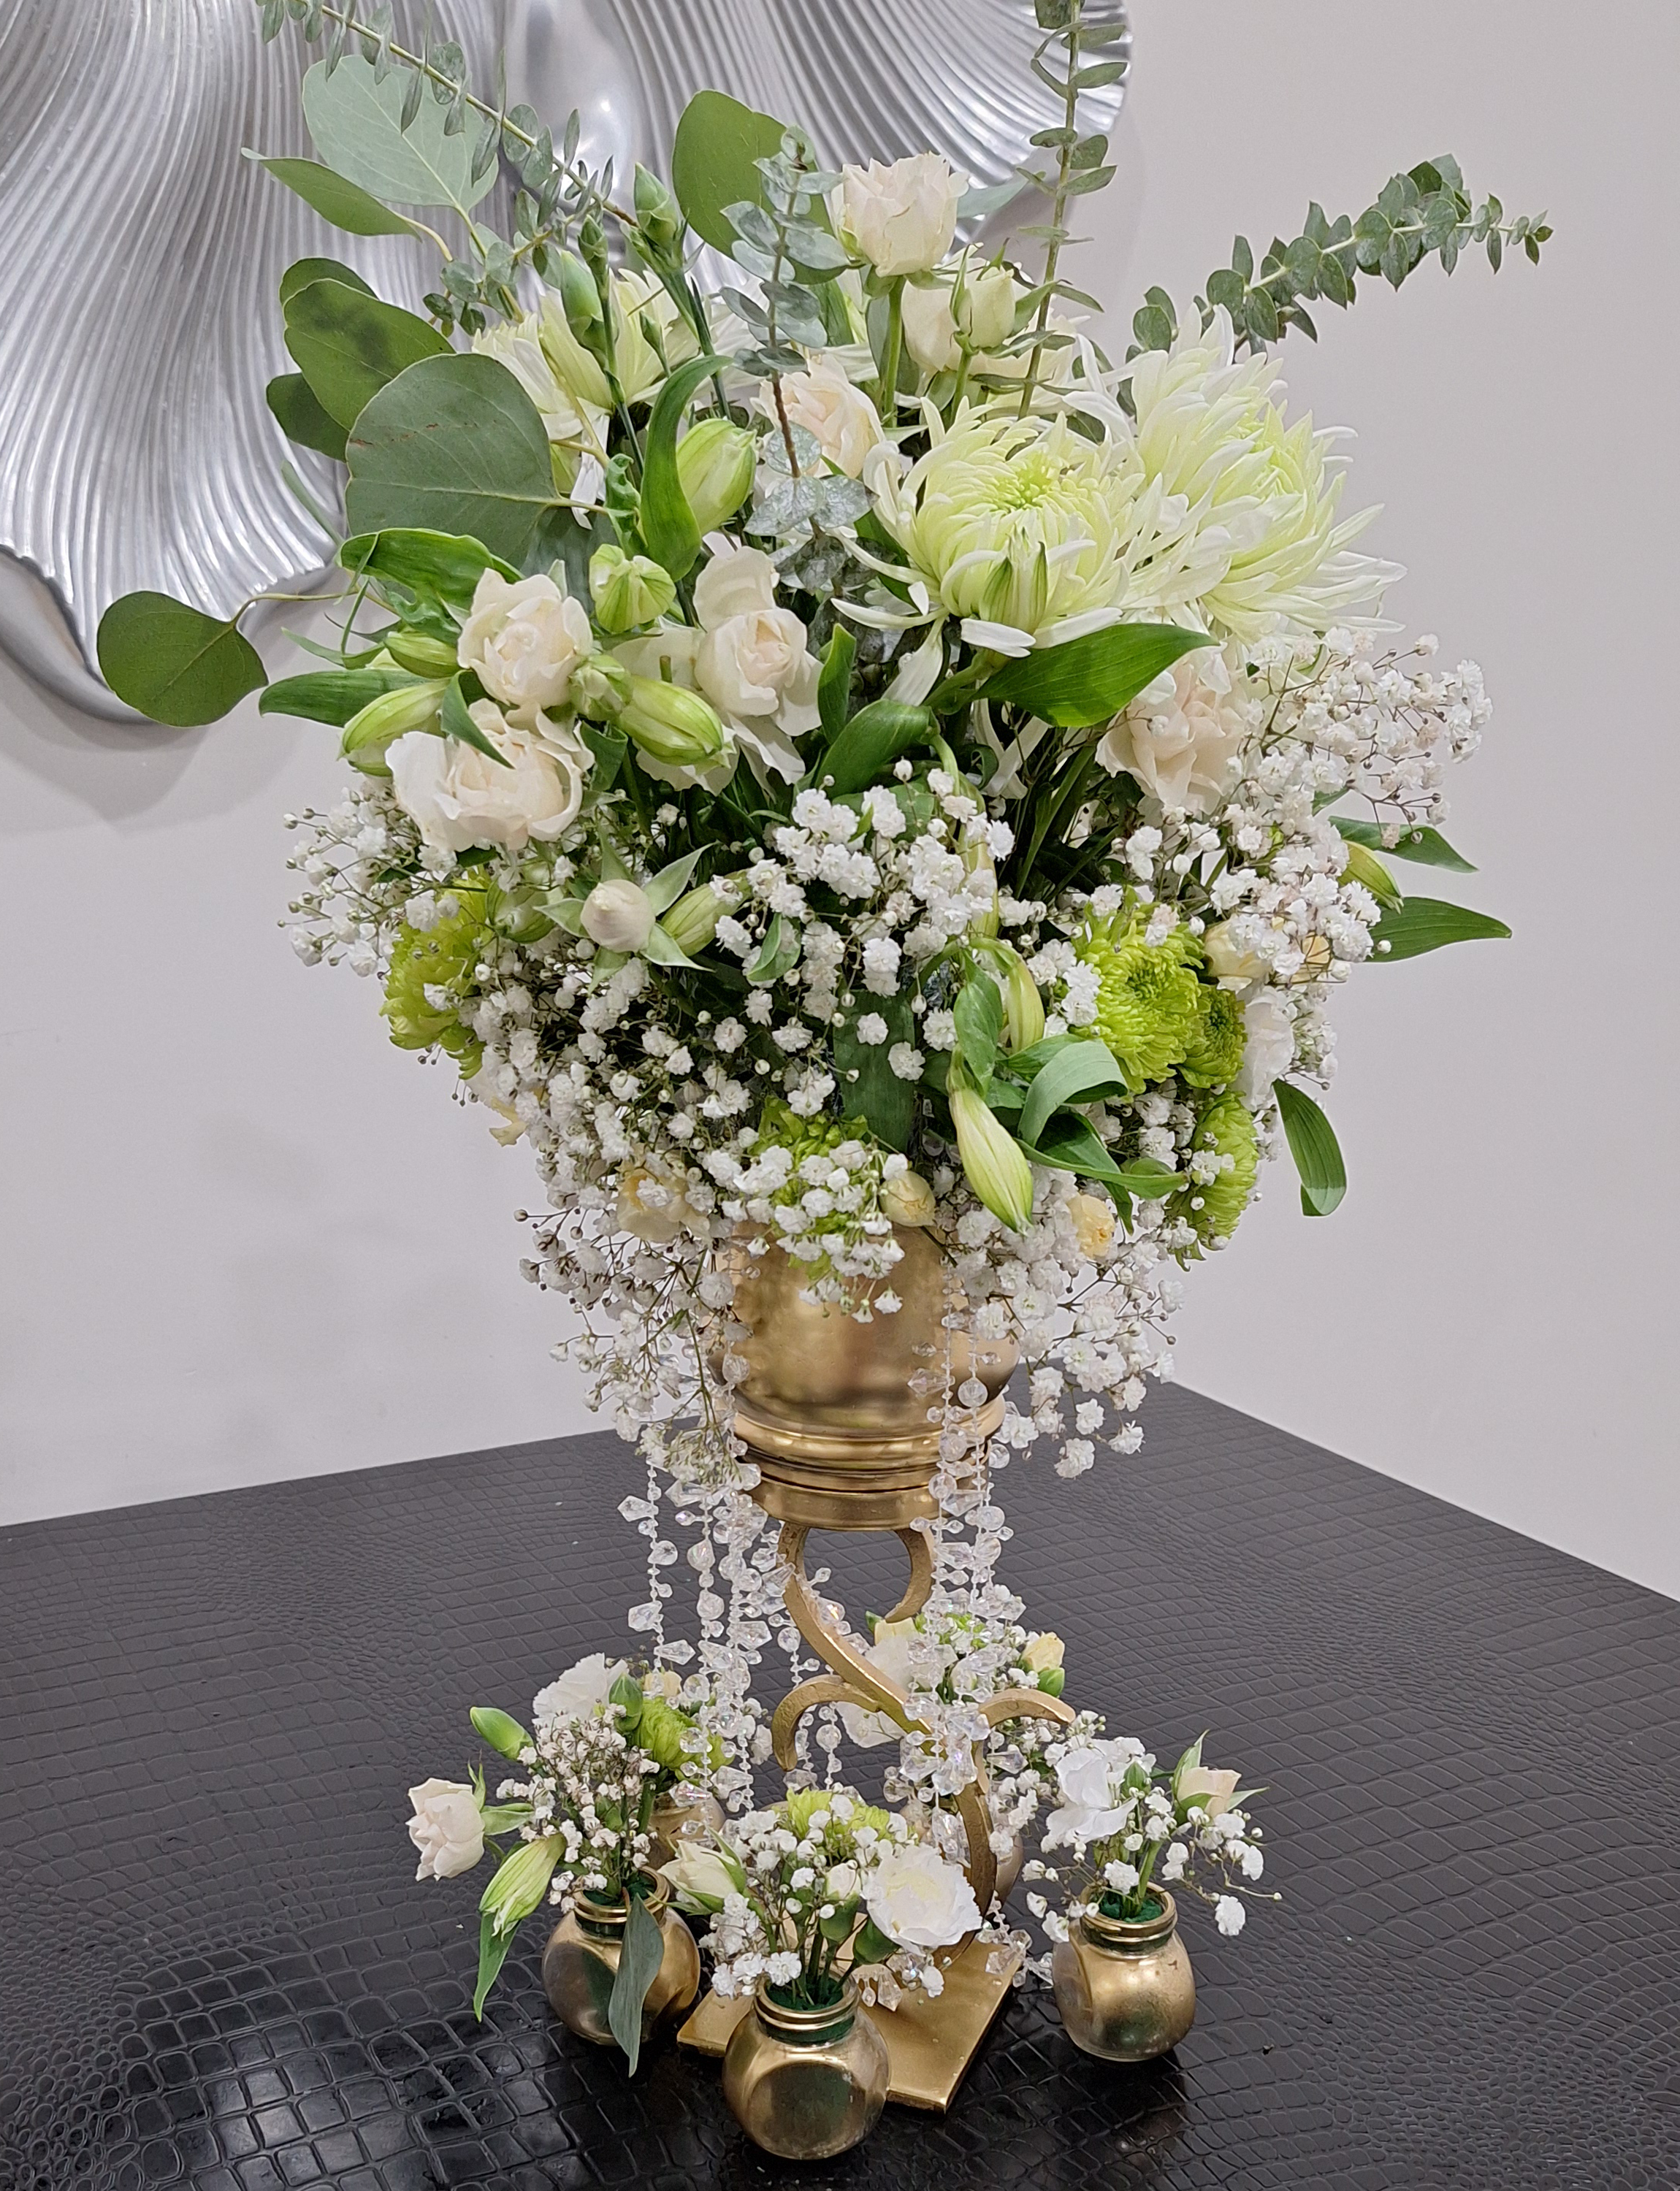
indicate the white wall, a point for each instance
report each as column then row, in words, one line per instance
column 244, row 1238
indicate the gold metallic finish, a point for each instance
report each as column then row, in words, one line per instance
column 806, row 2083
column 683, row 1813
column 1125, row 1988
column 581, row 1961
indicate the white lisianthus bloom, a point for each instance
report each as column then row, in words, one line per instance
column 1184, row 735
column 446, row 1828
column 459, row 797
column 618, row 915
column 842, row 419
column 525, row 638
column 1269, row 1045
column 919, row 1899
column 703, row 1879
column 580, row 1690
column 903, row 217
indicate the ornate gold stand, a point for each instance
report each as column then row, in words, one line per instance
column 830, row 1421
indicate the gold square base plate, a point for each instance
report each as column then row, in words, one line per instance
column 929, row 2043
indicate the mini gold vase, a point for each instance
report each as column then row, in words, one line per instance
column 806, row 2083
column 1124, row 1986
column 581, row 1961
column 683, row 1813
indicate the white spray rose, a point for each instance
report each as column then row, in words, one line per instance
column 1269, row 1045
column 844, row 422
column 1182, row 735
column 703, row 1879
column 525, row 638
column 1211, row 1787
column 1092, row 1216
column 920, row 1900
column 1231, row 955
column 580, row 1690
column 900, row 218
column 459, row 797
column 939, row 317
column 446, row 1828
column 754, row 664
column 618, row 916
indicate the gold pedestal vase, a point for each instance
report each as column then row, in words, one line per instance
column 806, row 2083
column 581, row 1961
column 1124, row 1986
column 683, row 1813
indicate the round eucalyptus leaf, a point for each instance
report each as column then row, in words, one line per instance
column 174, row 662
column 356, row 123
column 347, row 345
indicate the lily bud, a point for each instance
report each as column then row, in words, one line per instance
column 675, row 726
column 907, row 1199
column 392, row 715
column 691, row 922
column 580, row 300
column 1023, row 1007
column 629, row 589
column 658, row 214
column 521, row 1883
column 991, row 1159
column 1363, row 868
column 714, row 462
column 504, row 1735
column 419, row 651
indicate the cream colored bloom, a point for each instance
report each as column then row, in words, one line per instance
column 1229, row 947
column 446, row 1828
column 1184, row 734
column 845, row 423
column 907, row 1199
column 702, row 1878
column 1093, row 1223
column 919, row 1899
column 580, row 1690
column 650, row 1208
column 525, row 637
column 618, row 915
column 1043, row 1653
column 1213, row 1789
column 901, row 217
column 940, row 317
column 459, row 797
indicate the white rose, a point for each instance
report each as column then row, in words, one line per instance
column 525, row 637
column 702, row 1878
column 938, row 318
column 1092, row 1216
column 752, row 663
column 920, row 1900
column 1182, row 734
column 900, row 218
column 580, row 1690
column 446, row 1828
column 1231, row 958
column 618, row 916
column 1043, row 1653
column 843, row 420
column 459, row 797
column 1269, row 1045
column 841, row 1884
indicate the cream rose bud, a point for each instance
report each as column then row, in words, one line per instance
column 618, row 916
column 1212, row 1789
column 578, row 1690
column 1229, row 958
column 931, row 327
column 940, row 317
column 446, row 1828
column 701, row 1878
column 1093, row 1221
column 459, row 797
column 650, row 1208
column 525, row 637
column 1043, row 1654
column 986, row 308
column 908, row 1200
column 901, row 218
column 840, row 418
column 920, row 1900
column 753, row 660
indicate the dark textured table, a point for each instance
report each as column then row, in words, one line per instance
column 217, row 1970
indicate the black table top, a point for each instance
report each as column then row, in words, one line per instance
column 217, row 1970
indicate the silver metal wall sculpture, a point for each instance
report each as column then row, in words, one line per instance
column 141, row 252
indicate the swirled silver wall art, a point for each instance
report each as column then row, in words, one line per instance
column 142, row 252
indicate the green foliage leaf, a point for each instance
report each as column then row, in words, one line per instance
column 639, row 1961
column 345, row 204
column 493, row 1953
column 302, row 271
column 302, row 419
column 1313, row 1144
column 715, row 160
column 871, row 741
column 777, row 954
column 452, row 444
column 329, row 696
column 172, row 663
column 506, row 1736
column 1078, row 1073
column 667, row 523
column 356, row 123
column 348, row 345
column 834, row 686
column 872, row 1945
column 1425, row 924
column 457, row 723
column 1086, row 681
column 1427, row 846
column 877, row 1095
column 444, row 567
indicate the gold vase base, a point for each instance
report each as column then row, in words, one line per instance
column 929, row 2043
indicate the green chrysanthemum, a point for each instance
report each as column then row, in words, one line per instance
column 441, row 959
column 1215, row 1056
column 1147, row 1007
column 1228, row 1129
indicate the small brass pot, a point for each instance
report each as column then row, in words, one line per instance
column 806, row 2083
column 1124, row 1986
column 683, row 1813
column 581, row 1961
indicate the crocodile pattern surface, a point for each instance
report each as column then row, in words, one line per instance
column 216, row 1970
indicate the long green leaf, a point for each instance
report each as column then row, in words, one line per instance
column 301, row 417
column 1079, row 1074
column 871, row 743
column 348, row 345
column 1086, row 681
column 438, row 566
column 453, row 445
column 1428, row 846
column 345, row 204
column 1070, row 1143
column 174, row 662
column 329, row 696
column 834, row 686
column 1313, row 1144
column 457, row 723
column 877, row 1095
column 714, row 162
column 1425, row 924
column 493, row 1953
column 639, row 1961
column 356, row 123
column 667, row 523
column 979, row 1017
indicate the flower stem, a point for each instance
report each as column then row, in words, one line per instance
column 1064, row 168
column 887, row 390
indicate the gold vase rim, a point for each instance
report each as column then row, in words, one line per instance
column 1132, row 1935
column 592, row 1909
column 806, row 2026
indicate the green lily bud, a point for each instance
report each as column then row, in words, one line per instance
column 1023, row 1007
column 715, row 461
column 658, row 214
column 425, row 656
column 506, row 1736
column 371, row 729
column 629, row 589
column 691, row 922
column 580, row 300
column 991, row 1159
column 520, row 1881
column 1364, row 866
column 671, row 723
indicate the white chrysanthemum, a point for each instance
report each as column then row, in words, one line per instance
column 1260, row 495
